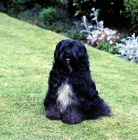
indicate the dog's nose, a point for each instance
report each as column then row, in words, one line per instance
column 67, row 53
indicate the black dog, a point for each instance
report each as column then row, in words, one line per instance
column 72, row 96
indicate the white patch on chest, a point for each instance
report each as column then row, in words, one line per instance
column 65, row 96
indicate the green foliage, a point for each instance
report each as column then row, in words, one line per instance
column 15, row 6
column 49, row 15
column 54, row 19
column 57, row 20
column 128, row 48
column 108, row 8
column 131, row 12
column 74, row 32
column 105, row 46
column 95, row 33
column 2, row 8
column 30, row 14
column 57, row 26
column 83, row 7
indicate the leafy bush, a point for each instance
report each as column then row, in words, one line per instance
column 74, row 31
column 57, row 26
column 131, row 11
column 54, row 19
column 2, row 8
column 57, row 20
column 83, row 6
column 14, row 6
column 30, row 15
column 128, row 49
column 105, row 46
column 110, row 9
column 96, row 32
column 48, row 15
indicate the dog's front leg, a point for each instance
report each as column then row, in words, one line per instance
column 52, row 111
column 72, row 115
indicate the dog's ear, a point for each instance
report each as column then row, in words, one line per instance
column 82, row 50
column 56, row 53
column 57, row 50
column 83, row 55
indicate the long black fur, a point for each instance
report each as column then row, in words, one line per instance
column 71, row 66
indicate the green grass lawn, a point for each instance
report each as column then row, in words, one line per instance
column 26, row 55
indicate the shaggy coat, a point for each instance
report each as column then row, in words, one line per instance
column 72, row 96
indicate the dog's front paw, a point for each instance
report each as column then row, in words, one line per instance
column 72, row 117
column 71, row 120
column 53, row 114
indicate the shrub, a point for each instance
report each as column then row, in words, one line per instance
column 15, row 6
column 74, row 31
column 57, row 26
column 131, row 12
column 83, row 7
column 2, row 8
column 49, row 15
column 105, row 46
column 54, row 19
column 57, row 20
column 96, row 32
column 30, row 15
column 109, row 9
column 128, row 49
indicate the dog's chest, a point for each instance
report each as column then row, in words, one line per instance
column 65, row 96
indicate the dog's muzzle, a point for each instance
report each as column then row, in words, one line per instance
column 68, row 56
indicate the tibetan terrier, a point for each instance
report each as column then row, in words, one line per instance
column 72, row 96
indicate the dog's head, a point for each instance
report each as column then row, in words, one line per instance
column 70, row 54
